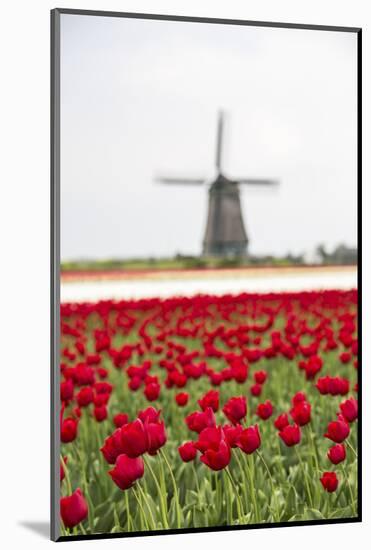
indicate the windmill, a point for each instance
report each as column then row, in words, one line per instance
column 225, row 234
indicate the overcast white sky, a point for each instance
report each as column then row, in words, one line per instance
column 140, row 98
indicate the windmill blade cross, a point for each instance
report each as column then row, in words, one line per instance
column 180, row 181
column 219, row 142
column 256, row 181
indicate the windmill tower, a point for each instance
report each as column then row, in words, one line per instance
column 225, row 234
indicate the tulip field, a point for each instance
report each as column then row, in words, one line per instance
column 208, row 411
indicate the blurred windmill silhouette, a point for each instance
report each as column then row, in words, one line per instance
column 225, row 234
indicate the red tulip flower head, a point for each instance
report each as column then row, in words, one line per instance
column 74, row 509
column 260, row 376
column 120, row 419
column 256, row 390
column 210, row 399
column 249, row 440
column 219, row 458
column 338, row 430
column 134, row 440
column 182, row 399
column 337, row 453
column 187, row 451
column 281, row 421
column 300, row 413
column 112, row 447
column 85, row 396
column 290, row 435
column 209, row 438
column 349, row 409
column 264, row 410
column 198, row 421
column 329, row 481
column 232, row 434
column 100, row 413
column 156, row 436
column 298, row 398
column 69, row 430
column 126, row 471
column 150, row 413
column 235, row 409
column 152, row 391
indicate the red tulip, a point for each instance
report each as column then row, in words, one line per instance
column 232, row 434
column 260, row 376
column 149, row 414
column 209, row 438
column 329, row 481
column 249, row 440
column 337, row 453
column 281, row 421
column 156, row 435
column 300, row 413
column 126, row 471
column 349, row 409
column 135, row 383
column 298, row 398
column 66, row 389
column 345, row 357
column 102, row 373
column 112, row 447
column 152, row 391
column 134, row 441
column 256, row 390
column 69, row 430
column 120, row 419
column 313, row 366
column 74, row 509
column 103, row 387
column 100, row 413
column 210, row 399
column 235, row 409
column 85, row 396
column 187, row 451
column 198, row 421
column 217, row 459
column 264, row 410
column 290, row 435
column 337, row 430
column 182, row 399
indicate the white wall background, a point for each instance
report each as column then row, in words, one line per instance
column 24, row 286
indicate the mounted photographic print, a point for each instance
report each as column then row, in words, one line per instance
column 206, row 193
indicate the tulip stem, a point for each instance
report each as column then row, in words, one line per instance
column 128, row 515
column 305, row 477
column 243, row 485
column 196, row 477
column 176, row 493
column 250, row 469
column 271, row 481
column 352, row 449
column 143, row 514
column 240, row 510
column 116, row 520
column 148, row 506
column 314, row 448
column 350, row 489
column 163, row 506
column 67, row 476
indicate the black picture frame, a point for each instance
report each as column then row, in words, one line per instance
column 55, row 263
